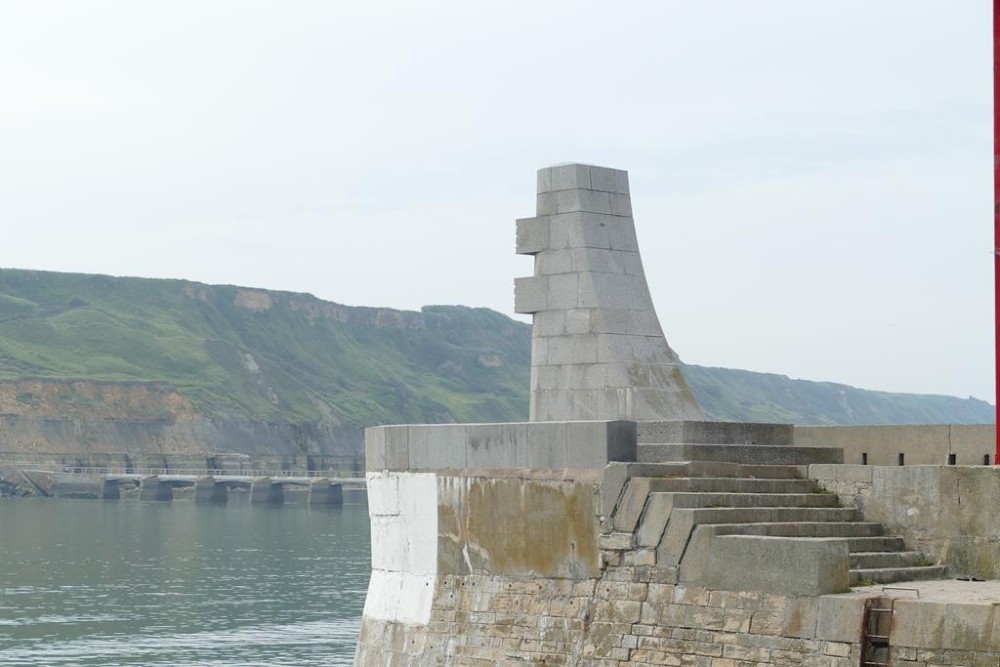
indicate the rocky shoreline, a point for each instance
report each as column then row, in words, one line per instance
column 10, row 490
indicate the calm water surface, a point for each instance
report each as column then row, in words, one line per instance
column 131, row 583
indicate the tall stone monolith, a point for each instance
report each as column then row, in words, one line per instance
column 598, row 351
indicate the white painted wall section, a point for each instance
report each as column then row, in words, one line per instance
column 403, row 510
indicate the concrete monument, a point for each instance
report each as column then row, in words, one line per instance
column 598, row 351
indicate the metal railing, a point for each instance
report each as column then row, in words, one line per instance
column 198, row 472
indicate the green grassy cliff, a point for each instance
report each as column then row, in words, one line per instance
column 165, row 351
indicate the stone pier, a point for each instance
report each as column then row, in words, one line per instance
column 154, row 489
column 617, row 527
column 207, row 490
column 326, row 493
column 265, row 491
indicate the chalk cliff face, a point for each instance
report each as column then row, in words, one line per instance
column 134, row 424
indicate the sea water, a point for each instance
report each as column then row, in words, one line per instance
column 88, row 582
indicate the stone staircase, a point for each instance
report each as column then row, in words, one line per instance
column 679, row 497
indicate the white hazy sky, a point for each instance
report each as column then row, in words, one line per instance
column 811, row 180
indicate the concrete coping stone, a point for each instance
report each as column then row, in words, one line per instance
column 571, row 444
column 715, row 433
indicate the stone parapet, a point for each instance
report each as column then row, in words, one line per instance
column 426, row 447
column 948, row 513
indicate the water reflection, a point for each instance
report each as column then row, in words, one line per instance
column 130, row 583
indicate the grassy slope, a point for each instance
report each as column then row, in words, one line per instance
column 297, row 358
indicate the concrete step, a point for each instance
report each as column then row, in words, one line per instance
column 877, row 560
column 859, row 545
column 770, row 514
column 745, row 454
column 709, row 500
column 848, row 529
column 732, row 485
column 711, row 469
column 890, row 575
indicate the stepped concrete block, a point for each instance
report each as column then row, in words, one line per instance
column 874, row 560
column 777, row 565
column 769, row 514
column 941, row 627
column 626, row 516
column 546, row 445
column 323, row 492
column 532, row 235
column 562, row 291
column 497, row 445
column 397, row 447
column 617, row 474
column 709, row 500
column 603, row 179
column 715, row 433
column 860, row 545
column 264, row 491
column 773, row 472
column 839, row 618
column 553, row 262
column 593, row 445
column 206, row 489
column 531, row 294
column 153, row 489
column 740, row 453
column 845, row 529
column 571, row 176
column 894, row 574
column 374, row 451
column 675, row 537
column 597, row 288
column 654, row 519
column 437, row 446
column 597, row 260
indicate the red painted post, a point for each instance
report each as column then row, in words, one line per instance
column 996, row 214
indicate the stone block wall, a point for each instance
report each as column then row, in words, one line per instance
column 920, row 444
column 948, row 513
column 480, row 600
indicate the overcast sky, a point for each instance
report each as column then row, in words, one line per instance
column 811, row 180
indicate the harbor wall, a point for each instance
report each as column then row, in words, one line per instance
column 509, row 563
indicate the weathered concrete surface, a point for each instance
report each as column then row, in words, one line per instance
column 714, row 433
column 598, row 351
column 949, row 513
column 921, row 444
column 526, row 526
column 777, row 565
column 460, row 578
column 512, row 445
column 84, row 486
